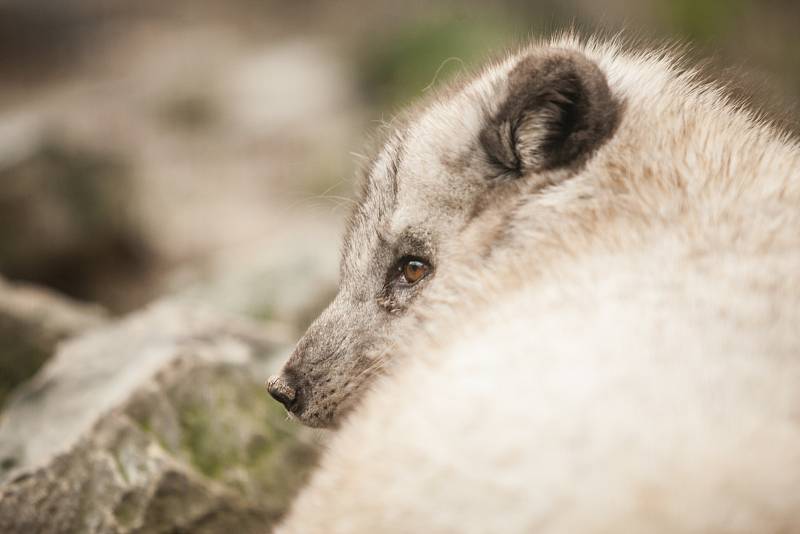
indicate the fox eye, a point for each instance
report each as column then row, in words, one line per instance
column 413, row 270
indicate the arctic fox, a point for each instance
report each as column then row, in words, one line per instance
column 616, row 345
column 450, row 187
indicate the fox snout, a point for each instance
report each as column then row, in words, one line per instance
column 331, row 364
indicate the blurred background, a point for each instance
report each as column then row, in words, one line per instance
column 205, row 151
column 208, row 148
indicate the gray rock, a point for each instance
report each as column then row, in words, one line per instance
column 66, row 221
column 183, row 180
column 283, row 278
column 158, row 423
column 32, row 322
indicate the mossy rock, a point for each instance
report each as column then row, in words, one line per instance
column 32, row 322
column 156, row 423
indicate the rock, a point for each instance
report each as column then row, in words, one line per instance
column 281, row 278
column 117, row 192
column 158, row 423
column 65, row 221
column 32, row 322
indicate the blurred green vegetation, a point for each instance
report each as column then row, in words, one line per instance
column 702, row 20
column 396, row 68
column 418, row 51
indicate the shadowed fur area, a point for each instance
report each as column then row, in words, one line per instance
column 608, row 341
column 559, row 109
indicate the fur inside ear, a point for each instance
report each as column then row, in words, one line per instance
column 558, row 109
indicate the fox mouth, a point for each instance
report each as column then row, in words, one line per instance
column 330, row 414
column 312, row 410
column 312, row 419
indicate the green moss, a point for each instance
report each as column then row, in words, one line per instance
column 280, row 466
column 230, row 431
column 233, row 433
column 140, row 416
column 210, row 450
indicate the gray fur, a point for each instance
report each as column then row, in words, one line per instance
column 566, row 99
column 616, row 350
column 433, row 194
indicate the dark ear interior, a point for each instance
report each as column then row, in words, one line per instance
column 557, row 110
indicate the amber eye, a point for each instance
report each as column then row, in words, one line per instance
column 414, row 270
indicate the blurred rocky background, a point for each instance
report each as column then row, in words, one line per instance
column 174, row 177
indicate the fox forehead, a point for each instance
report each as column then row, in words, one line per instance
column 424, row 158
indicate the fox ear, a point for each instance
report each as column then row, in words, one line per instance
column 557, row 110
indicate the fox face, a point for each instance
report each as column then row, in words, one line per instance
column 442, row 192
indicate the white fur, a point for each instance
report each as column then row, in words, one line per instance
column 636, row 370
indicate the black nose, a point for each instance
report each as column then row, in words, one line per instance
column 280, row 389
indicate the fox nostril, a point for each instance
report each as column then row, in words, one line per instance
column 281, row 391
